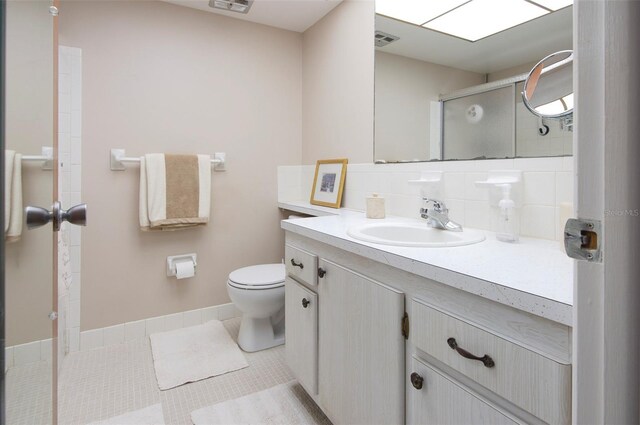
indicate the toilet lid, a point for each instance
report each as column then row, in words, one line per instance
column 263, row 275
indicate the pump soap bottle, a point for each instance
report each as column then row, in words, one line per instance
column 508, row 220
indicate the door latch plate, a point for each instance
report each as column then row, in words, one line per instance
column 582, row 239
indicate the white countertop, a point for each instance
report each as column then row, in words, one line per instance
column 533, row 275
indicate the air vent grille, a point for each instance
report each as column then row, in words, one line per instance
column 240, row 6
column 382, row 38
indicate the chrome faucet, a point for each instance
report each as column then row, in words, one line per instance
column 437, row 215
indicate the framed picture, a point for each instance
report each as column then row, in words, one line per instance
column 328, row 182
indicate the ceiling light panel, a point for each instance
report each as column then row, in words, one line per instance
column 480, row 18
column 553, row 4
column 416, row 11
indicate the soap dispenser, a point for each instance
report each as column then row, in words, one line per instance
column 508, row 220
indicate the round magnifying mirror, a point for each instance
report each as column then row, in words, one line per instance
column 548, row 89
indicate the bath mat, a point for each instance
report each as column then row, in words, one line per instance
column 194, row 353
column 151, row 415
column 285, row 404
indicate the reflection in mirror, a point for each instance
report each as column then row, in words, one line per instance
column 548, row 90
column 418, row 70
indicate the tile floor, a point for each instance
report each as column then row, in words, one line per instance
column 106, row 382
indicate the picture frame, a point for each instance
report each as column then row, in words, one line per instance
column 328, row 182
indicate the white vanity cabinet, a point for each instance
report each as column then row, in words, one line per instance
column 348, row 350
column 361, row 348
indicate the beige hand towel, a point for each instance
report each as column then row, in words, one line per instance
column 175, row 191
column 12, row 196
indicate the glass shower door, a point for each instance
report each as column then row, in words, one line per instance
column 30, row 136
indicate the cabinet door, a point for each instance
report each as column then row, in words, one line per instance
column 301, row 334
column 361, row 363
column 443, row 401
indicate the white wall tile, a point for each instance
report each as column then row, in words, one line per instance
column 539, row 188
column 209, row 313
column 135, row 330
column 538, row 221
column 477, row 214
column 173, row 321
column 8, row 358
column 192, row 318
column 473, row 192
column 454, row 184
column 26, row 353
column 113, row 335
column 228, row 311
column 45, row 349
column 564, row 187
column 155, row 324
column 456, row 210
column 92, row 339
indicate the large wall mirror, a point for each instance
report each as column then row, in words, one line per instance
column 447, row 88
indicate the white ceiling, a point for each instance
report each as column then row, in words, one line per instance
column 293, row 15
column 528, row 42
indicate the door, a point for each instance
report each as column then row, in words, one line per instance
column 606, row 139
column 361, row 348
column 301, row 327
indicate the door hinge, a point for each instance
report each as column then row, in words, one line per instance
column 405, row 326
column 582, row 239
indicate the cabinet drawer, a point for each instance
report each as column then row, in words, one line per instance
column 533, row 382
column 301, row 265
column 443, row 401
column 301, row 334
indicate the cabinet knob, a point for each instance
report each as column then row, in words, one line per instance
column 416, row 381
column 321, row 272
column 305, row 302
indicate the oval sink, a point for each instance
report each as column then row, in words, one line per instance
column 413, row 235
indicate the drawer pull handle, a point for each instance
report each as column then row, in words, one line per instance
column 321, row 272
column 416, row 381
column 305, row 302
column 486, row 360
column 294, row 264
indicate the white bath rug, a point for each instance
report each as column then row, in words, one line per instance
column 285, row 404
column 151, row 415
column 194, row 353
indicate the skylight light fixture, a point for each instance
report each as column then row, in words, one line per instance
column 416, row 11
column 553, row 4
column 481, row 18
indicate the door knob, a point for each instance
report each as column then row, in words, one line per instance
column 37, row 216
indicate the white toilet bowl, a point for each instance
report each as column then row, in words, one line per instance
column 258, row 292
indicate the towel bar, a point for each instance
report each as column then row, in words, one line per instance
column 118, row 160
column 46, row 158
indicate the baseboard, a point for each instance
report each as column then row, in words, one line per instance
column 129, row 331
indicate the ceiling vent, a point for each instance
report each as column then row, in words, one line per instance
column 382, row 38
column 240, row 6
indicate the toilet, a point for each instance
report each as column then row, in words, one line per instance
column 258, row 292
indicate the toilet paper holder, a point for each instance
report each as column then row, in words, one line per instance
column 173, row 260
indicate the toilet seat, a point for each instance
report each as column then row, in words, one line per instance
column 260, row 277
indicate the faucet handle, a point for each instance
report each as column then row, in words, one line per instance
column 438, row 206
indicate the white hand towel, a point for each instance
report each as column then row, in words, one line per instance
column 13, row 196
column 175, row 191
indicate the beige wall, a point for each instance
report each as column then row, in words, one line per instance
column 337, row 67
column 404, row 88
column 510, row 72
column 29, row 126
column 159, row 77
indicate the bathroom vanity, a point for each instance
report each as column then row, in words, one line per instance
column 469, row 334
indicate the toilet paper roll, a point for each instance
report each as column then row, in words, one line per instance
column 185, row 269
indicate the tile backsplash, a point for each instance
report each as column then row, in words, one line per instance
column 547, row 182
